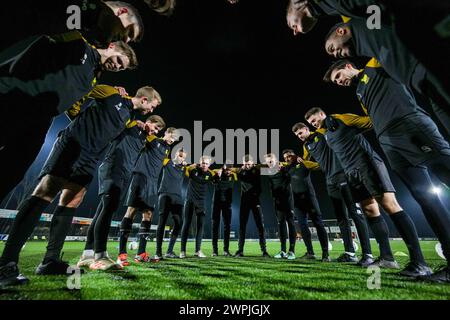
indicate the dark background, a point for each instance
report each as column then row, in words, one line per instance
column 231, row 66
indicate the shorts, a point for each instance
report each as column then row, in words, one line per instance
column 69, row 161
column 413, row 141
column 369, row 181
column 107, row 180
column 142, row 192
column 334, row 185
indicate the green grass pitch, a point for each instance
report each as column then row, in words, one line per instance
column 252, row 277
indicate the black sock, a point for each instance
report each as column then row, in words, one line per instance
column 408, row 232
column 363, row 232
column 323, row 238
column 380, row 230
column 173, row 240
column 144, row 231
column 292, row 247
column 90, row 240
column 306, row 236
column 26, row 220
column 283, row 245
column 59, row 228
column 125, row 230
column 103, row 224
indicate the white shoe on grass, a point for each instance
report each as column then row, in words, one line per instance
column 290, row 255
column 104, row 264
column 280, row 255
column 200, row 254
column 85, row 261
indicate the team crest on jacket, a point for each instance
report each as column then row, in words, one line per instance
column 426, row 149
column 365, row 79
column 83, row 60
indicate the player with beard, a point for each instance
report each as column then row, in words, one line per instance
column 355, row 39
column 171, row 202
column 70, row 168
column 420, row 25
column 370, row 184
column 315, row 147
column 143, row 190
column 46, row 80
column 222, row 201
column 250, row 177
column 200, row 176
column 114, row 176
column 306, row 205
column 280, row 186
column 100, row 22
column 410, row 139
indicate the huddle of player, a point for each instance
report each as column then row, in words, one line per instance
column 46, row 75
column 391, row 88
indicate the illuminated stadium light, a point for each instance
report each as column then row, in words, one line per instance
column 436, row 190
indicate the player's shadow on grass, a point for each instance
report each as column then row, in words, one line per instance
column 120, row 275
column 214, row 275
column 8, row 291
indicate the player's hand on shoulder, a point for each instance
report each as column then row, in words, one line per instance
column 122, row 91
column 140, row 124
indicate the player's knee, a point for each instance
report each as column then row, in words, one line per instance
column 71, row 199
column 147, row 215
column 131, row 212
column 47, row 188
column 43, row 194
column 390, row 204
column 370, row 208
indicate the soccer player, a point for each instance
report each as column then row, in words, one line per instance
column 100, row 22
column 223, row 198
column 315, row 147
column 306, row 205
column 353, row 38
column 69, row 169
column 409, row 19
column 199, row 177
column 370, row 184
column 46, row 80
column 114, row 176
column 280, row 186
column 143, row 191
column 409, row 138
column 250, row 177
column 171, row 202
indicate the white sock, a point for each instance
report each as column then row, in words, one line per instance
column 101, row 255
column 88, row 253
column 351, row 254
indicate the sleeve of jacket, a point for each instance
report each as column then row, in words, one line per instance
column 353, row 120
column 307, row 162
column 99, row 92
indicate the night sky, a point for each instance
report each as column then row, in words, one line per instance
column 238, row 66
